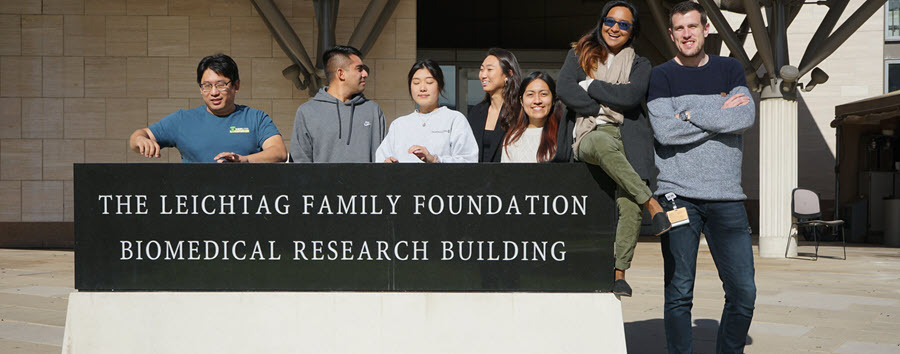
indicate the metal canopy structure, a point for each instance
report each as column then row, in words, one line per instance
column 303, row 73
column 768, row 22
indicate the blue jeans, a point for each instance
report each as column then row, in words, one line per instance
column 728, row 235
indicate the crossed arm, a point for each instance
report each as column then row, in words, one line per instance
column 143, row 142
column 571, row 93
column 734, row 116
column 619, row 97
column 677, row 123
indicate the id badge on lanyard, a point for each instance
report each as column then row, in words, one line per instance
column 677, row 216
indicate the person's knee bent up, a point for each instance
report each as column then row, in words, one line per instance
column 595, row 145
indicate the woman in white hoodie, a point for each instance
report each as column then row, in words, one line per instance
column 432, row 133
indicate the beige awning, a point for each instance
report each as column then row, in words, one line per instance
column 871, row 110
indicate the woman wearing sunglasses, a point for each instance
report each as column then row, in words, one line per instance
column 603, row 83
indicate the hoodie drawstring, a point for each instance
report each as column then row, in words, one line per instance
column 337, row 106
column 350, row 131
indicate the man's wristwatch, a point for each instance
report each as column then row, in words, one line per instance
column 684, row 115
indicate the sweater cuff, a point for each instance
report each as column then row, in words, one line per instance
column 585, row 83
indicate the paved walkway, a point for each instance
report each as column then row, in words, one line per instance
column 827, row 306
column 34, row 291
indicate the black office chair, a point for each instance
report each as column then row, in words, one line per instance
column 805, row 208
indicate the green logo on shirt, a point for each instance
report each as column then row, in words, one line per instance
column 239, row 130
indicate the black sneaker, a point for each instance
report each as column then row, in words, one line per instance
column 621, row 288
column 660, row 224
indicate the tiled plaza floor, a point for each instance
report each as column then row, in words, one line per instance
column 826, row 306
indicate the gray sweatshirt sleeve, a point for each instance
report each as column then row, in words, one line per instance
column 668, row 129
column 729, row 120
column 463, row 147
column 301, row 142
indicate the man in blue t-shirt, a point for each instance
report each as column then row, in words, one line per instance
column 219, row 131
column 699, row 107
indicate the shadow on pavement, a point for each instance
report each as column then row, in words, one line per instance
column 649, row 336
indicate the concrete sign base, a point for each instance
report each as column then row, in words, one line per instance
column 343, row 322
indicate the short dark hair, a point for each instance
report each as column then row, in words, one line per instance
column 433, row 67
column 685, row 7
column 220, row 64
column 331, row 56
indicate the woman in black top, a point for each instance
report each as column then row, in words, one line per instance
column 500, row 76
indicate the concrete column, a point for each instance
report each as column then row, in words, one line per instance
column 777, row 175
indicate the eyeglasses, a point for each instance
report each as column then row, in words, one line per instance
column 221, row 86
column 623, row 25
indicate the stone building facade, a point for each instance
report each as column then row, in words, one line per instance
column 77, row 77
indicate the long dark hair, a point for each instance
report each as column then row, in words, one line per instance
column 509, row 64
column 592, row 49
column 547, row 147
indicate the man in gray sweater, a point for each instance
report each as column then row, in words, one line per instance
column 699, row 107
column 339, row 124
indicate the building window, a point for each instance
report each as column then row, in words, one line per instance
column 892, row 20
column 448, row 97
column 891, row 75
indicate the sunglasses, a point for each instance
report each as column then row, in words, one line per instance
column 623, row 25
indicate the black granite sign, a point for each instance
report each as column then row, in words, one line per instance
column 347, row 227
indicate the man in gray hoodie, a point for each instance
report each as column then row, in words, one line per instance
column 339, row 124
